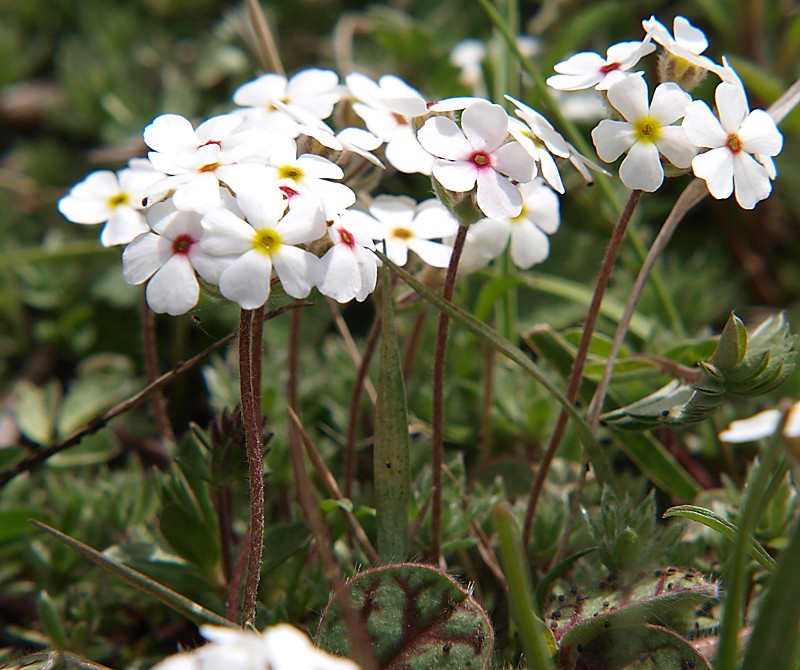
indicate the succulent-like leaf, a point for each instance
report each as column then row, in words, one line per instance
column 417, row 616
column 666, row 597
column 742, row 364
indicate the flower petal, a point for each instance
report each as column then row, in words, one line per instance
column 612, row 139
column 433, row 253
column 630, row 98
column 760, row 135
column 485, row 125
column 458, row 176
column 246, row 281
column 513, row 161
column 716, row 168
column 641, row 168
column 676, row 147
column 751, row 180
column 443, row 138
column 174, row 288
column 497, row 197
column 731, row 105
column 297, row 269
column 529, row 245
column 702, row 127
column 669, row 103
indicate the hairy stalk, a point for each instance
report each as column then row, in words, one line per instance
column 157, row 400
column 440, row 351
column 249, row 382
column 355, row 402
column 233, row 594
column 690, row 196
column 102, row 419
column 576, row 373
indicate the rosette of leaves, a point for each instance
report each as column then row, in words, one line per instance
column 417, row 617
column 643, row 621
column 743, row 363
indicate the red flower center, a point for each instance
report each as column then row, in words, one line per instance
column 182, row 244
column 609, row 67
column 288, row 193
column 481, row 160
column 347, row 238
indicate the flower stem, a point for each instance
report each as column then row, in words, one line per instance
column 157, row 401
column 576, row 373
column 440, row 352
column 691, row 195
column 250, row 329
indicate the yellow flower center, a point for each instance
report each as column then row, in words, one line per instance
column 734, row 143
column 267, row 241
column 290, row 172
column 521, row 215
column 402, row 233
column 647, row 129
column 117, row 200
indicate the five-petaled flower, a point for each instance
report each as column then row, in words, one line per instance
column 741, row 145
column 588, row 69
column 646, row 133
column 478, row 153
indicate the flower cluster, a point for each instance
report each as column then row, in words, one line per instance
column 280, row 647
column 263, row 194
column 731, row 150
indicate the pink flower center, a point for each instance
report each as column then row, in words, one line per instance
column 182, row 244
column 288, row 193
column 609, row 67
column 734, row 143
column 481, row 160
column 210, row 142
column 401, row 120
column 347, row 238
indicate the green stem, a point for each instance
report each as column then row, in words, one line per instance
column 532, row 630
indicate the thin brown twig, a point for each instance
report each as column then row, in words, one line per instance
column 157, row 400
column 333, row 490
column 100, row 421
column 264, row 39
column 350, row 345
column 437, row 418
column 576, row 373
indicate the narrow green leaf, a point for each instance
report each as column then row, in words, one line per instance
column 774, row 640
column 537, row 640
column 600, row 462
column 390, row 459
column 724, row 527
column 181, row 604
column 51, row 620
column 557, row 571
column 732, row 344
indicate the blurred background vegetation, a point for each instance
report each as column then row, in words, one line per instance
column 80, row 80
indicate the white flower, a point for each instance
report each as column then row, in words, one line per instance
column 486, row 239
column 265, row 241
column 168, row 257
column 405, row 225
column 479, row 153
column 741, row 145
column 114, row 199
column 267, row 99
column 349, row 268
column 200, row 160
column 761, row 425
column 309, row 174
column 587, row 68
column 541, row 141
column 387, row 108
column 281, row 647
column 646, row 133
column 685, row 47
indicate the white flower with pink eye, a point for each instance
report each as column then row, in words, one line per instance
column 387, row 109
column 588, row 69
column 169, row 257
column 646, row 133
column 740, row 146
column 478, row 153
column 349, row 267
column 201, row 161
column 269, row 100
column 308, row 174
column 407, row 226
column 266, row 241
column 761, row 425
column 114, row 199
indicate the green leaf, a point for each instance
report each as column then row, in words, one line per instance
column 181, row 604
column 774, row 640
column 417, row 616
column 723, row 527
column 390, row 460
column 194, row 541
column 282, row 541
column 732, row 344
column 51, row 620
column 600, row 462
column 36, row 410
